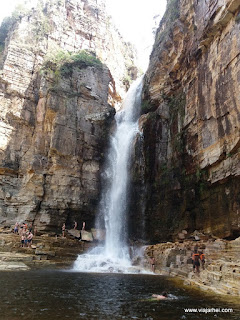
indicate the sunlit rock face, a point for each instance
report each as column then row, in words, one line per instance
column 69, row 25
column 50, row 169
column 220, row 273
column 55, row 125
column 189, row 155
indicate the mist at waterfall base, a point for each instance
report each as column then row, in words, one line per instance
column 114, row 256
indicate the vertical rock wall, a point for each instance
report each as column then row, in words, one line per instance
column 189, row 159
column 54, row 124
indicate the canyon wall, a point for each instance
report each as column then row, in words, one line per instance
column 56, row 107
column 186, row 170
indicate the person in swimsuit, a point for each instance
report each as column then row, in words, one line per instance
column 152, row 263
column 63, row 230
column 29, row 239
column 162, row 296
column 202, row 258
column 16, row 227
column 196, row 261
column 23, row 240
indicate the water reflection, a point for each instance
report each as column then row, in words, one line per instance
column 65, row 295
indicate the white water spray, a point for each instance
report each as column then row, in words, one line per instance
column 115, row 200
column 114, row 256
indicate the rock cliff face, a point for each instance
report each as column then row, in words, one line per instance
column 55, row 110
column 187, row 166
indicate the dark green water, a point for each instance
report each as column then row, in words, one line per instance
column 51, row 295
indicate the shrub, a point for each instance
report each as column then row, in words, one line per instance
column 63, row 62
column 82, row 58
column 8, row 22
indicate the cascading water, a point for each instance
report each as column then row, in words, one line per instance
column 114, row 256
column 115, row 199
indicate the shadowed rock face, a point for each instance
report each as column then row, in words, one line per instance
column 55, row 125
column 51, row 164
column 189, row 158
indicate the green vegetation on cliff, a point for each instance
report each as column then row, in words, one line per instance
column 5, row 27
column 42, row 25
column 62, row 63
column 8, row 23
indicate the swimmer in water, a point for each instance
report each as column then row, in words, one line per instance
column 162, row 296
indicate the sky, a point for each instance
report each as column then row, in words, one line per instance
column 133, row 18
column 135, row 21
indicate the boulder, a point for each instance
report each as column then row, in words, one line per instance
column 74, row 232
column 86, row 236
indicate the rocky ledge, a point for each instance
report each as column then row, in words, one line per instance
column 46, row 251
column 221, row 273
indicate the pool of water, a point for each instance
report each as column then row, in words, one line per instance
column 51, row 295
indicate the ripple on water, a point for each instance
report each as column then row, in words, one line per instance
column 58, row 295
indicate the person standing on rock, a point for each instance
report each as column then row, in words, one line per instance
column 16, row 227
column 29, row 239
column 152, row 263
column 63, row 230
column 83, row 225
column 26, row 239
column 23, row 238
column 75, row 225
column 30, row 228
column 202, row 258
column 196, row 261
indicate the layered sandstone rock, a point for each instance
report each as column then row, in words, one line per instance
column 55, row 119
column 45, row 251
column 189, row 158
column 50, row 166
column 70, row 25
column 221, row 271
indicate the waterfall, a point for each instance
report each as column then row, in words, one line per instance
column 114, row 256
column 115, row 199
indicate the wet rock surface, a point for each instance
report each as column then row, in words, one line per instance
column 221, row 272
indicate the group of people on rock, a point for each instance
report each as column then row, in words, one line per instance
column 25, row 233
column 74, row 227
column 198, row 259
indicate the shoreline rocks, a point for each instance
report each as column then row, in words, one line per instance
column 222, row 268
column 46, row 251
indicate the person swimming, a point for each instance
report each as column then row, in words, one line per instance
column 162, row 296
